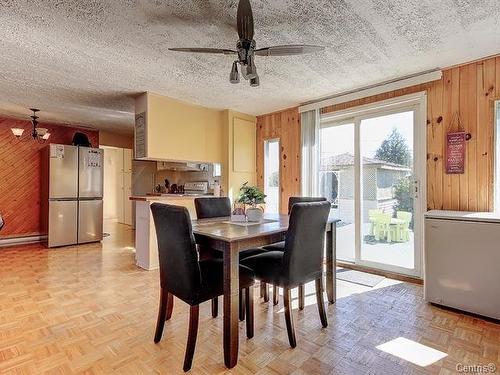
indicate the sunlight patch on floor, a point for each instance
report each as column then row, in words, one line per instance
column 344, row 289
column 411, row 351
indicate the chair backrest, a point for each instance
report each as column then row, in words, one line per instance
column 293, row 200
column 212, row 207
column 179, row 267
column 305, row 241
column 374, row 212
column 384, row 219
column 403, row 215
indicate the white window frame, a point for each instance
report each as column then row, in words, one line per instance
column 418, row 104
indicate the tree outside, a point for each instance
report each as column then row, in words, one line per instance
column 274, row 179
column 394, row 149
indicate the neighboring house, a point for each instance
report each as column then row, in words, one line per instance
column 379, row 178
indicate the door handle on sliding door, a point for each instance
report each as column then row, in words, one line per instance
column 416, row 188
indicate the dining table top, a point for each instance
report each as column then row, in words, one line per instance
column 222, row 228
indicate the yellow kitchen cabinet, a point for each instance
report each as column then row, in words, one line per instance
column 170, row 130
column 167, row 129
column 239, row 138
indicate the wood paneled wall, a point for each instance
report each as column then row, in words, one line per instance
column 470, row 91
column 285, row 126
column 20, row 174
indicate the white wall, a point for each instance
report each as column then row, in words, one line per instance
column 117, row 184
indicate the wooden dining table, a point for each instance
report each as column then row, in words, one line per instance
column 231, row 238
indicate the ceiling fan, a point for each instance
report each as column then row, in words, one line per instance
column 246, row 48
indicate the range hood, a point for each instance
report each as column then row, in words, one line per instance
column 181, row 166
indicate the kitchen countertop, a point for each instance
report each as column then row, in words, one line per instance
column 165, row 197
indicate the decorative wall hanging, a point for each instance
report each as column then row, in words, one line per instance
column 455, row 153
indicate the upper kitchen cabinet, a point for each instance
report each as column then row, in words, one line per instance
column 167, row 129
column 239, row 139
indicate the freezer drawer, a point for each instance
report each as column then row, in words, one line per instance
column 63, row 176
column 461, row 265
column 90, row 221
column 90, row 177
column 63, row 223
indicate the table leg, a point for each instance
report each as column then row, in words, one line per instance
column 331, row 268
column 231, row 296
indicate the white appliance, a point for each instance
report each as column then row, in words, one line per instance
column 462, row 261
column 71, row 194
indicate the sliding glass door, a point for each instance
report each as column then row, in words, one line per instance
column 370, row 170
column 387, row 206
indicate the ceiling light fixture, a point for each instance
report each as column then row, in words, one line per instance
column 18, row 132
column 255, row 82
column 37, row 133
column 251, row 68
column 234, row 76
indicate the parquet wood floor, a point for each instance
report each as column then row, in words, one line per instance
column 89, row 310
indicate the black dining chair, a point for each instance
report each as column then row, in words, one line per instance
column 184, row 276
column 213, row 207
column 280, row 246
column 300, row 262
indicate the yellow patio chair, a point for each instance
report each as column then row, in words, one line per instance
column 404, row 228
column 372, row 218
column 382, row 227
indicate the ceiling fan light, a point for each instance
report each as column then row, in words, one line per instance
column 251, row 69
column 46, row 136
column 41, row 132
column 18, row 132
column 234, row 77
column 255, row 82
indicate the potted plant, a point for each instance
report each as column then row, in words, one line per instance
column 252, row 196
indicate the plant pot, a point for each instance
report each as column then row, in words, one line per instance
column 254, row 214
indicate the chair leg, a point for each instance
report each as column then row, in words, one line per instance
column 170, row 306
column 287, row 297
column 194, row 313
column 242, row 306
column 162, row 311
column 249, row 311
column 275, row 295
column 266, row 293
column 320, row 302
column 215, row 307
column 301, row 297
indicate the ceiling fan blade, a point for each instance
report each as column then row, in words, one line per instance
column 290, row 50
column 205, row 50
column 245, row 20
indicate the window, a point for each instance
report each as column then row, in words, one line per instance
column 272, row 175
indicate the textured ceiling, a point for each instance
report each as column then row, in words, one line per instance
column 82, row 61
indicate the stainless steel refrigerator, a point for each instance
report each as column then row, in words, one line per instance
column 72, row 190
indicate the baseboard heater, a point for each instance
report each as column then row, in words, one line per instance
column 12, row 241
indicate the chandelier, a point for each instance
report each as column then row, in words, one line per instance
column 37, row 133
